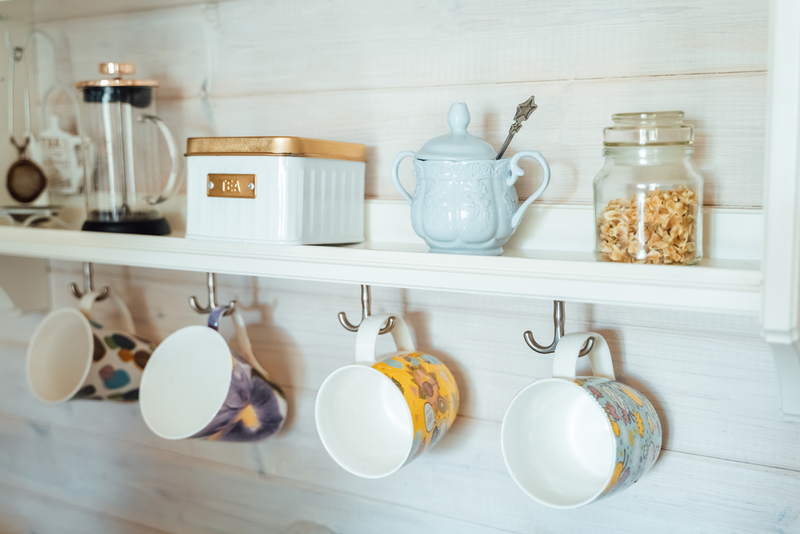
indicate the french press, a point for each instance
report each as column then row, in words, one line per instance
column 119, row 117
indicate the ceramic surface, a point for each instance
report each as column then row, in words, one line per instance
column 110, row 364
column 181, row 397
column 636, row 427
column 569, row 441
column 400, row 403
column 467, row 205
column 430, row 391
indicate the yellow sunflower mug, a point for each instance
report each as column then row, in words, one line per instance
column 569, row 441
column 378, row 414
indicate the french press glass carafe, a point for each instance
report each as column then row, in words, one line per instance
column 119, row 117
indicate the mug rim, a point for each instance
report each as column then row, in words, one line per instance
column 511, row 470
column 228, row 366
column 368, row 366
column 88, row 364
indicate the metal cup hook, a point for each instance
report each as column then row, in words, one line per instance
column 212, row 299
column 366, row 311
column 559, row 317
column 88, row 284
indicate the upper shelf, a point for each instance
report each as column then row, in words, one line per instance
column 541, row 262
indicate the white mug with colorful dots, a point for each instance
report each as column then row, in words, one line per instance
column 72, row 356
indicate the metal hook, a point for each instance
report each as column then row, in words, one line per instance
column 212, row 299
column 559, row 316
column 366, row 311
column 88, row 284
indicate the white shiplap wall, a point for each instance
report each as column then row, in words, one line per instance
column 384, row 73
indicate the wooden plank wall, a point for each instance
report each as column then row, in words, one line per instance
column 384, row 73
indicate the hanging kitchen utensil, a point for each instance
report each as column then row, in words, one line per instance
column 25, row 180
column 119, row 118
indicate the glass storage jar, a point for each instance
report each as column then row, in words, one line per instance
column 648, row 198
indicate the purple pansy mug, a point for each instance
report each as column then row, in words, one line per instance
column 195, row 386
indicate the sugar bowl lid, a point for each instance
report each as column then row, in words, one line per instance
column 459, row 144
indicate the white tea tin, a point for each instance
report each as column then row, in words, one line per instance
column 275, row 190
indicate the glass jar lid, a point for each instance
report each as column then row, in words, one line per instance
column 650, row 128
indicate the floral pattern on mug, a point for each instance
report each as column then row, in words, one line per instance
column 636, row 427
column 254, row 409
column 430, row 391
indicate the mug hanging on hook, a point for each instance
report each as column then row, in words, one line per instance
column 88, row 284
column 366, row 311
column 559, row 317
column 212, row 299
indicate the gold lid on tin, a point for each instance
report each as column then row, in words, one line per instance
column 118, row 70
column 275, row 146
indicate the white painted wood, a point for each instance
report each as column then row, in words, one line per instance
column 781, row 290
column 176, row 493
column 385, row 73
column 48, row 10
column 26, row 281
column 265, row 48
column 23, row 511
column 727, row 110
column 731, row 286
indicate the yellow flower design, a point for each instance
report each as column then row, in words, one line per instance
column 615, row 426
column 639, row 423
column 652, row 427
column 630, row 434
column 629, row 392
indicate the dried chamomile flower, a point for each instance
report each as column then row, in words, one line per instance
column 667, row 236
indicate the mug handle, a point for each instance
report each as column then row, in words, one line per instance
column 242, row 338
column 90, row 298
column 516, row 172
column 396, row 177
column 568, row 348
column 367, row 336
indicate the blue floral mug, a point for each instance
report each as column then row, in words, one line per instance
column 569, row 441
column 195, row 386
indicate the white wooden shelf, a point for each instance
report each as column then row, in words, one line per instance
column 731, row 286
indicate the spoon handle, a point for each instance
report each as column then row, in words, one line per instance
column 524, row 111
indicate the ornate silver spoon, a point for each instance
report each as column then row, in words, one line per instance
column 524, row 111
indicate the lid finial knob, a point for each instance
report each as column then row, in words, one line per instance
column 118, row 69
column 458, row 117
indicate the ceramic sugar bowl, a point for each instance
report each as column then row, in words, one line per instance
column 465, row 201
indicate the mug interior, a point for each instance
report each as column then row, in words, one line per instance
column 60, row 356
column 364, row 421
column 185, row 382
column 558, row 444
